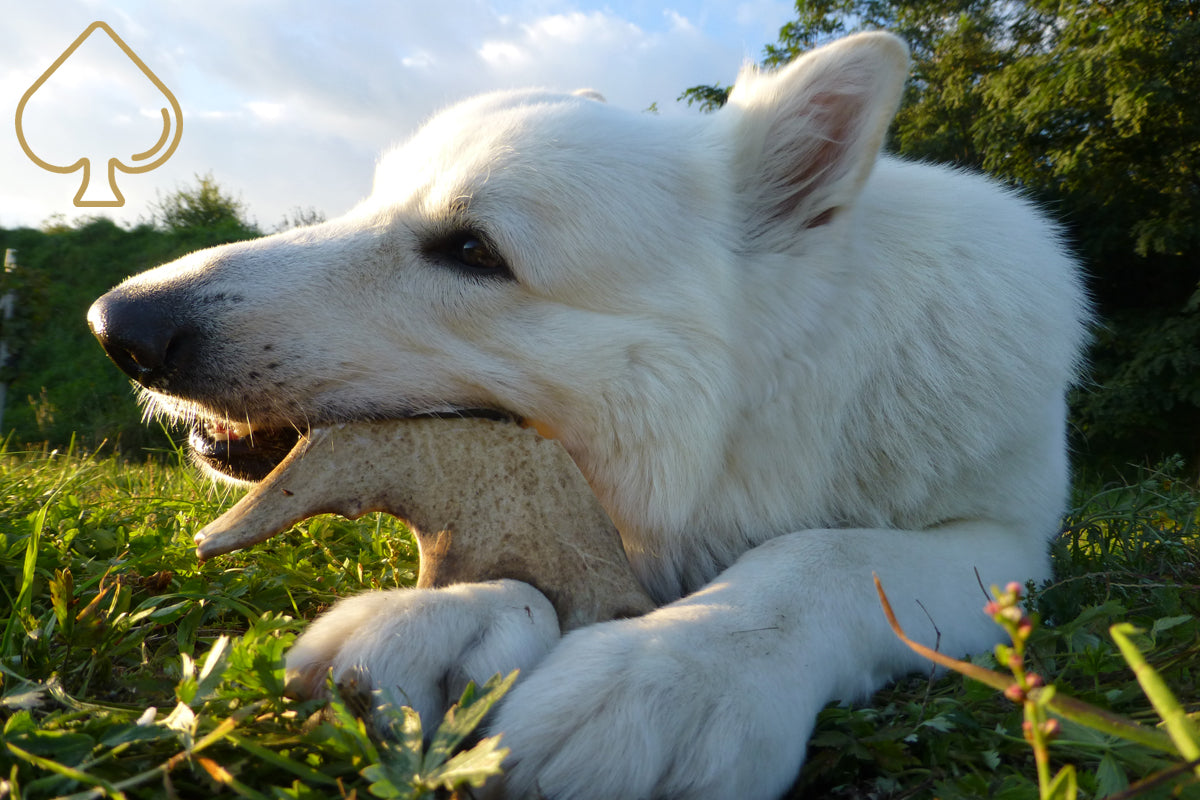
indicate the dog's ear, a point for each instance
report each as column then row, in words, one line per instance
column 808, row 135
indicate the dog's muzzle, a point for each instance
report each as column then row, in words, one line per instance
column 153, row 336
column 149, row 336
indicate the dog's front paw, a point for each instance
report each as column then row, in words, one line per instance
column 634, row 709
column 425, row 643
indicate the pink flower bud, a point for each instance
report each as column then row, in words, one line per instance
column 1014, row 589
column 1034, row 680
column 992, row 608
column 1015, row 693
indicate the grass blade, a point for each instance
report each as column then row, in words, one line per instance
column 67, row 772
column 1179, row 727
column 310, row 776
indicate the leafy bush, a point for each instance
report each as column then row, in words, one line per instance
column 60, row 382
column 1093, row 110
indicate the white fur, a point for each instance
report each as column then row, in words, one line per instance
column 490, row 627
column 782, row 361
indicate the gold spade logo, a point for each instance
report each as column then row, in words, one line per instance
column 143, row 160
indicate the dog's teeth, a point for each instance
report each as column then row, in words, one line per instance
column 228, row 431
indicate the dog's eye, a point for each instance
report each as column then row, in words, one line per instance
column 471, row 254
column 478, row 256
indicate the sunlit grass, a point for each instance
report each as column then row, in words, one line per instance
column 1128, row 553
column 108, row 615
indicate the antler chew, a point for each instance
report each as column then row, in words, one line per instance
column 486, row 500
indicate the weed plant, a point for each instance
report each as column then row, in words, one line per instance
column 1128, row 553
column 128, row 669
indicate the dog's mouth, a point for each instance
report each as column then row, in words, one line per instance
column 246, row 452
column 239, row 450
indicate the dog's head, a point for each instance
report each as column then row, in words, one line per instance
column 543, row 256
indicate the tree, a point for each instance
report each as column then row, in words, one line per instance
column 202, row 208
column 1092, row 107
column 300, row 218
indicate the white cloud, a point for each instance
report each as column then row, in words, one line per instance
column 289, row 103
column 267, row 112
column 503, row 55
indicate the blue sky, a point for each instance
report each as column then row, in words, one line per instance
column 289, row 104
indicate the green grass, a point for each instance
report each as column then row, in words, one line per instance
column 108, row 614
column 1128, row 553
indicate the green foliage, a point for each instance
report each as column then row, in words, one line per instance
column 60, row 381
column 129, row 669
column 300, row 218
column 405, row 768
column 1185, row 735
column 706, row 98
column 1144, row 391
column 1142, row 538
column 204, row 208
column 127, row 666
column 1128, row 553
column 1093, row 108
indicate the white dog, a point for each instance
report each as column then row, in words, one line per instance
column 783, row 362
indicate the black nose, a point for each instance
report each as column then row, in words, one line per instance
column 142, row 335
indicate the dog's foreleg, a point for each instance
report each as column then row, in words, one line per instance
column 715, row 695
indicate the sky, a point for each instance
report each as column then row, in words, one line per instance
column 288, row 105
